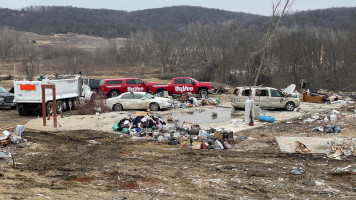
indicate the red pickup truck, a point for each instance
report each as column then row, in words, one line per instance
column 182, row 85
column 114, row 87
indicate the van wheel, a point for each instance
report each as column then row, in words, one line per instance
column 113, row 93
column 289, row 106
column 118, row 107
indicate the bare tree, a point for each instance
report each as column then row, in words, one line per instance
column 271, row 30
column 8, row 40
column 31, row 62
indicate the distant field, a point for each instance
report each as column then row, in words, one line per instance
column 88, row 43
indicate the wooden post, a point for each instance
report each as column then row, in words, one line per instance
column 44, row 105
column 53, row 87
column 54, row 107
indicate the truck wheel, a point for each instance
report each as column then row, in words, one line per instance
column 289, row 106
column 22, row 110
column 154, row 106
column 59, row 106
column 113, row 93
column 73, row 104
column 118, row 107
column 65, row 105
column 203, row 92
column 49, row 108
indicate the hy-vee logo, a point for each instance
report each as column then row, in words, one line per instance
column 184, row 89
column 135, row 89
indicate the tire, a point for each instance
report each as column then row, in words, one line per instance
column 21, row 109
column 65, row 105
column 289, row 106
column 73, row 104
column 113, row 93
column 203, row 92
column 70, row 105
column 59, row 107
column 154, row 106
column 117, row 107
column 49, row 108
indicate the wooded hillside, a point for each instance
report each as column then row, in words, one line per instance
column 112, row 23
column 207, row 44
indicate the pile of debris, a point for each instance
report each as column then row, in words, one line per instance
column 326, row 96
column 188, row 135
column 7, row 137
column 330, row 122
column 187, row 100
column 342, row 147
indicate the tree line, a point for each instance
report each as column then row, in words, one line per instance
column 114, row 23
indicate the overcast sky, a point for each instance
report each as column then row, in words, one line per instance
column 262, row 7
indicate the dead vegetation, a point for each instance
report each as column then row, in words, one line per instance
column 64, row 163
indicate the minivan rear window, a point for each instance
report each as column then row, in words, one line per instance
column 246, row 92
column 113, row 82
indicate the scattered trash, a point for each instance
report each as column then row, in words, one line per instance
column 7, row 137
column 3, row 155
column 297, row 171
column 342, row 170
column 44, row 196
column 309, row 120
column 241, row 138
column 93, row 142
column 341, row 147
column 328, row 128
column 332, row 129
column 301, row 148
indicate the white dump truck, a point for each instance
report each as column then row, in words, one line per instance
column 28, row 94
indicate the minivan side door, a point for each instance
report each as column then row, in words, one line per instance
column 262, row 98
column 245, row 95
column 277, row 99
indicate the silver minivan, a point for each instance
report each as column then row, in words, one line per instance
column 265, row 97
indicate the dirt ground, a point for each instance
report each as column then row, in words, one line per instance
column 65, row 165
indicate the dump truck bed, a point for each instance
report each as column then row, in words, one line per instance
column 31, row 92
